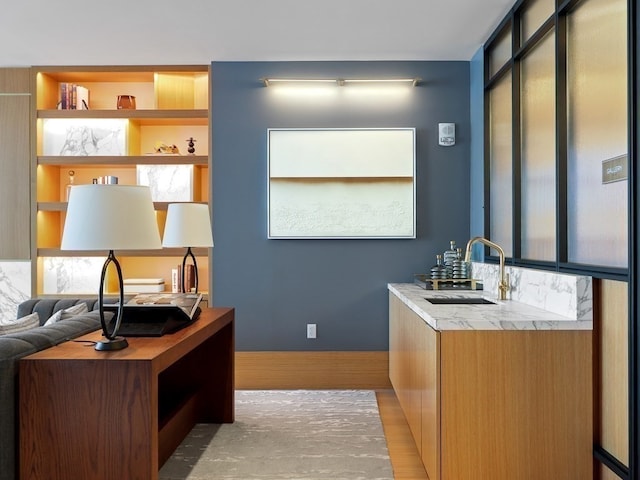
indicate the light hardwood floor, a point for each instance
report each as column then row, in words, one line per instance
column 405, row 458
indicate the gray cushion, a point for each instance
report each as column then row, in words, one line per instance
column 48, row 306
column 67, row 313
column 22, row 324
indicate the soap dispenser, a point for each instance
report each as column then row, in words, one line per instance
column 449, row 257
column 438, row 271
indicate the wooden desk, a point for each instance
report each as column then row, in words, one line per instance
column 119, row 415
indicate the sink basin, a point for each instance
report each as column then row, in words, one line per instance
column 459, row 301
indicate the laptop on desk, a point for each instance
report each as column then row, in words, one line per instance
column 156, row 314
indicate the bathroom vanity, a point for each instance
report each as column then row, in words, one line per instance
column 499, row 390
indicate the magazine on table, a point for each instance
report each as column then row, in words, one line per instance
column 182, row 304
column 154, row 314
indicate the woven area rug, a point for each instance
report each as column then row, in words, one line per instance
column 288, row 434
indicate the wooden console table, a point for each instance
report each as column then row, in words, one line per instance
column 120, row 415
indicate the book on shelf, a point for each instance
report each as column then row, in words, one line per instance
column 81, row 98
column 175, row 286
column 73, row 97
column 189, row 278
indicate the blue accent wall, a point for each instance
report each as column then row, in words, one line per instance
column 476, row 104
column 278, row 286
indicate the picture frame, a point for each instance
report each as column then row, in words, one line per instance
column 341, row 183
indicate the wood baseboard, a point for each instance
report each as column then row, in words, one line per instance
column 312, row 370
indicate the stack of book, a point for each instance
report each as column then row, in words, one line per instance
column 73, row 97
column 189, row 279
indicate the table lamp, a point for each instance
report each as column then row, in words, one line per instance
column 110, row 217
column 188, row 225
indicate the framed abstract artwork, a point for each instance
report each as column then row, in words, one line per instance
column 341, row 183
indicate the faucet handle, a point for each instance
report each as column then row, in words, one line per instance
column 504, row 287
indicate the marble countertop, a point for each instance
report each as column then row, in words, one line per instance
column 503, row 315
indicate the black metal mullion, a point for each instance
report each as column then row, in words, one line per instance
column 566, row 5
column 561, row 141
column 633, row 20
column 611, row 462
column 534, row 39
column 516, row 144
column 502, row 71
column 487, row 148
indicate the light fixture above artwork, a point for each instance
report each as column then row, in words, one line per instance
column 340, row 82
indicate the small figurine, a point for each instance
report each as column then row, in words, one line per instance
column 191, row 143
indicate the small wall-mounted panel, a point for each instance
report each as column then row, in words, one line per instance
column 341, row 183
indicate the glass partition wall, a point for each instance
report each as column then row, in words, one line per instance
column 538, row 151
column 556, row 136
column 559, row 177
column 597, row 133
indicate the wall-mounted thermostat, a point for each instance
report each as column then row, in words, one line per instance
column 446, row 134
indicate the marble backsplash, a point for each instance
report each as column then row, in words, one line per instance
column 563, row 294
column 15, row 286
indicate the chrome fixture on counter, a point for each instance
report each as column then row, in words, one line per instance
column 503, row 284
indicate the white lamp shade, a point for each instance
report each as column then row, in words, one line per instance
column 187, row 225
column 110, row 217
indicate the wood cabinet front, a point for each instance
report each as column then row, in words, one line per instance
column 498, row 404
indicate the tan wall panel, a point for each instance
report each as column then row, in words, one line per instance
column 612, row 394
column 312, row 370
column 15, row 160
column 14, row 80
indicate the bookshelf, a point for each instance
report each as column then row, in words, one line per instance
column 172, row 105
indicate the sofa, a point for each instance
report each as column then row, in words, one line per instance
column 14, row 346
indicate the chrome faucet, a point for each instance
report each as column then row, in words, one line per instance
column 503, row 284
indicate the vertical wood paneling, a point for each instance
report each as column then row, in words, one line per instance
column 611, row 369
column 14, row 80
column 15, row 158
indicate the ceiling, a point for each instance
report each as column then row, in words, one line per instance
column 77, row 32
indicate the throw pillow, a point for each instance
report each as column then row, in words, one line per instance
column 21, row 324
column 67, row 313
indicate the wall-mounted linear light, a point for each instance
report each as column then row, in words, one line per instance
column 341, row 82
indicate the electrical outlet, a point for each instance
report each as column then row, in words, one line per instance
column 311, row 330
